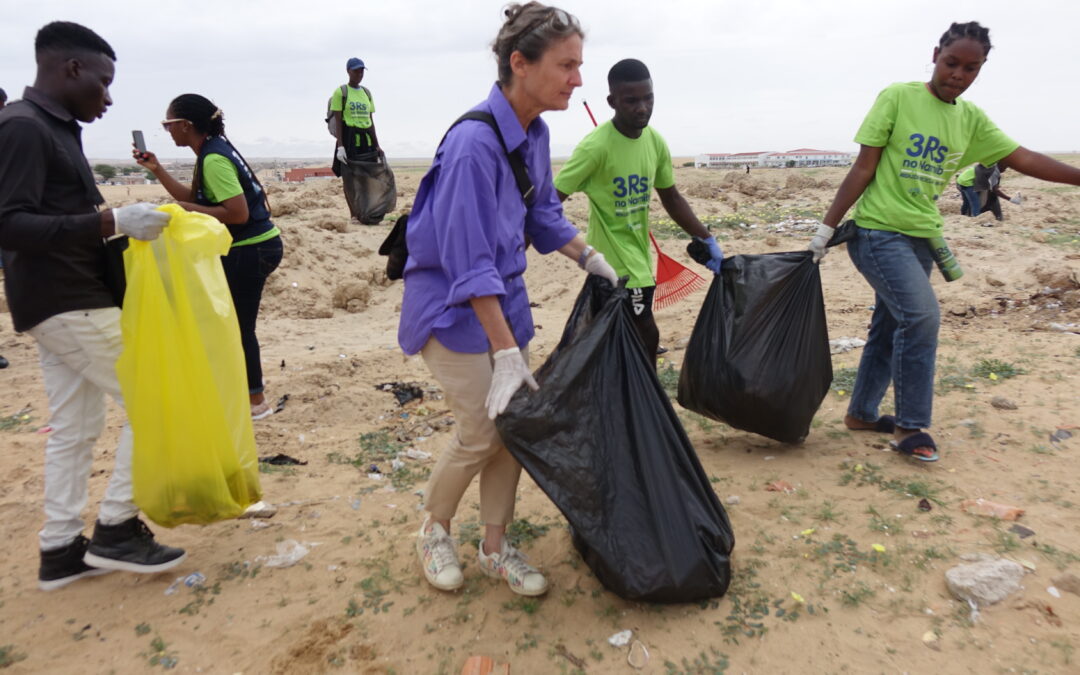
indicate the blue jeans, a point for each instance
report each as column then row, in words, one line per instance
column 972, row 202
column 903, row 336
column 246, row 269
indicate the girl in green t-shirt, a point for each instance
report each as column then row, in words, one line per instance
column 225, row 187
column 912, row 141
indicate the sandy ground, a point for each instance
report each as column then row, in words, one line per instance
column 357, row 602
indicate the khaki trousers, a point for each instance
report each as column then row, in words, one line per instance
column 475, row 446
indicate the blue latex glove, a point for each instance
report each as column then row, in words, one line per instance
column 716, row 255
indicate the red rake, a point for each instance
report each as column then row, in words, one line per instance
column 674, row 281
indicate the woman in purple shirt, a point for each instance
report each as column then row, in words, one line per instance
column 465, row 309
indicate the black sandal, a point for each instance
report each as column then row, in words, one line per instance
column 886, row 424
column 920, row 446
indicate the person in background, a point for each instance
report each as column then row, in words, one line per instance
column 58, row 288
column 465, row 309
column 351, row 116
column 980, row 186
column 897, row 217
column 617, row 166
column 225, row 187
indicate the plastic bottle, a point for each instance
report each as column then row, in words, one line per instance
column 946, row 261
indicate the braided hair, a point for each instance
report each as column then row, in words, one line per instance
column 971, row 30
column 208, row 119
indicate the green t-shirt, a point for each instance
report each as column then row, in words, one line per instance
column 360, row 106
column 219, row 178
column 925, row 140
column 618, row 175
column 966, row 177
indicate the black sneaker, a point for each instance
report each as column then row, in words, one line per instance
column 130, row 546
column 61, row 566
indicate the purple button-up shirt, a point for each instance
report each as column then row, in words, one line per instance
column 466, row 233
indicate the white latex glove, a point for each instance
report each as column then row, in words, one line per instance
column 140, row 221
column 595, row 264
column 340, row 154
column 820, row 241
column 1017, row 199
column 509, row 374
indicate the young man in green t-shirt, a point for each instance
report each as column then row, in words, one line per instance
column 351, row 119
column 617, row 165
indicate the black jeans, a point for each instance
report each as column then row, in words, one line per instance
column 246, row 269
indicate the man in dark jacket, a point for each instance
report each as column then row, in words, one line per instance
column 62, row 288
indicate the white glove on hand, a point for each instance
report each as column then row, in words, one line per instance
column 140, row 221
column 509, row 374
column 820, row 241
column 341, row 155
column 595, row 264
column 1017, row 199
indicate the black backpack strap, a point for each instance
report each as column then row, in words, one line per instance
column 517, row 164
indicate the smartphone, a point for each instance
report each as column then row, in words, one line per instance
column 140, row 142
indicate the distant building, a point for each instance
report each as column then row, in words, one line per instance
column 301, row 175
column 730, row 160
column 802, row 157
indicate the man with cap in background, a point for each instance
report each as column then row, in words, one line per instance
column 351, row 108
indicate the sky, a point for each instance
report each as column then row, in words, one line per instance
column 743, row 76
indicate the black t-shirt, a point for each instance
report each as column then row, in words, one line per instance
column 50, row 231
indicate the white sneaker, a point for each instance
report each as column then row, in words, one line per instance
column 438, row 557
column 509, row 564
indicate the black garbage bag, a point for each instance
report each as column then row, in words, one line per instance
column 370, row 189
column 602, row 440
column 758, row 358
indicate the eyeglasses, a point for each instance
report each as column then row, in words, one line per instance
column 555, row 17
column 165, row 124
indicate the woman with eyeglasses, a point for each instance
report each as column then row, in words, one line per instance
column 225, row 187
column 465, row 309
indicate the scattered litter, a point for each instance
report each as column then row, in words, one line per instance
column 733, row 500
column 639, row 655
column 194, row 579
column 1028, row 566
column 44, row 430
column 1021, row 531
column 356, row 504
column 1053, row 591
column 374, row 468
column 769, row 458
column 280, row 405
column 484, row 665
column 390, row 506
column 974, row 616
column 780, row 486
column 259, row 524
column 1060, row 435
column 982, row 507
column 413, row 453
column 924, row 504
column 403, row 391
column 921, row 534
column 843, row 345
column 878, row 547
column 281, row 459
column 620, row 639
column 798, row 598
column 289, row 552
column 259, row 509
column 396, row 465
column 375, row 476
column 295, row 285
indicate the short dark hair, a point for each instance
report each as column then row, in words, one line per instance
column 3, row 95
column 971, row 30
column 628, row 70
column 530, row 29
column 68, row 36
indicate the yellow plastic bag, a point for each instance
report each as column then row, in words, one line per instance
column 183, row 377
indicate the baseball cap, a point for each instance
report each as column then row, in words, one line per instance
column 355, row 64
